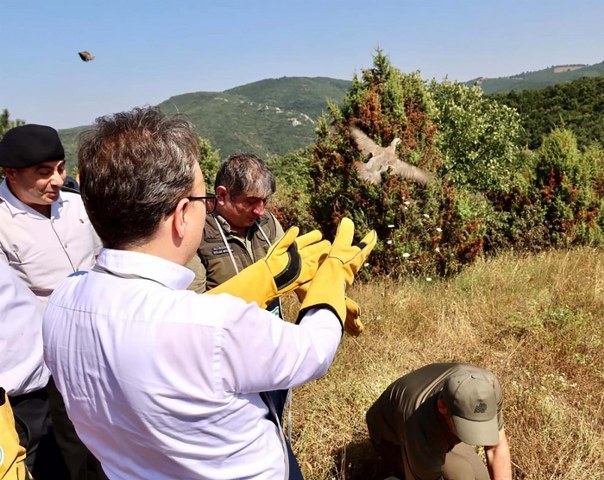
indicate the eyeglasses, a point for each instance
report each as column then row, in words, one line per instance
column 209, row 199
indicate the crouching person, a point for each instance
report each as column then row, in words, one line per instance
column 424, row 423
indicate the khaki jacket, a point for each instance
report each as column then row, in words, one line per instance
column 214, row 265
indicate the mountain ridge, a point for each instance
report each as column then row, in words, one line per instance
column 275, row 116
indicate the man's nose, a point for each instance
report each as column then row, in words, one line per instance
column 259, row 208
column 57, row 180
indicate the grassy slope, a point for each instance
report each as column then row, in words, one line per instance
column 537, row 322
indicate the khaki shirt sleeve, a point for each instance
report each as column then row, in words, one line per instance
column 199, row 282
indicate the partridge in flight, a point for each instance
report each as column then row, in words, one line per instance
column 86, row 56
column 382, row 159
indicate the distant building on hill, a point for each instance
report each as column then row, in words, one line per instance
column 567, row 68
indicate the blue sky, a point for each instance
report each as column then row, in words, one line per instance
column 148, row 51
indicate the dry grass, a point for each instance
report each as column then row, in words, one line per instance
column 537, row 322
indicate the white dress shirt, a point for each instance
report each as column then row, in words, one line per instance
column 22, row 368
column 162, row 383
column 43, row 251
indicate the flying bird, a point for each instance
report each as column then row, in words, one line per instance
column 382, row 159
column 86, row 56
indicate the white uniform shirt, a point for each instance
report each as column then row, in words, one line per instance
column 43, row 251
column 162, row 383
column 22, row 368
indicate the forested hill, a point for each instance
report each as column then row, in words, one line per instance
column 269, row 118
column 577, row 106
column 538, row 79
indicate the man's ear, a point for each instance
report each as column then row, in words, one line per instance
column 9, row 173
column 221, row 194
column 178, row 217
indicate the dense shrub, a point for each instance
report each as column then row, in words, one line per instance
column 423, row 230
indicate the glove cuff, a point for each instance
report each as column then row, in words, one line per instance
column 304, row 310
column 327, row 289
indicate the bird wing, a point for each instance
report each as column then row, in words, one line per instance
column 365, row 144
column 405, row 170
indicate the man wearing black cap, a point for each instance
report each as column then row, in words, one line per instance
column 45, row 235
column 424, row 423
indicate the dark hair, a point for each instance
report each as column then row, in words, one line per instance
column 134, row 168
column 245, row 173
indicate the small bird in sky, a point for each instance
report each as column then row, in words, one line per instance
column 382, row 159
column 86, row 56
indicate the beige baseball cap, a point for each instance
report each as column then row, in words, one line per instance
column 471, row 401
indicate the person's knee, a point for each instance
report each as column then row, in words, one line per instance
column 464, row 464
column 461, row 470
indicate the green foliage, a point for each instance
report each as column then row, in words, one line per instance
column 477, row 136
column 209, row 162
column 6, row 123
column 423, row 231
column 577, row 106
column 555, row 201
column 564, row 179
column 291, row 203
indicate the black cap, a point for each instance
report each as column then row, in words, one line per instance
column 30, row 145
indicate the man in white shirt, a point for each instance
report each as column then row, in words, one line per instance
column 23, row 374
column 45, row 235
column 161, row 382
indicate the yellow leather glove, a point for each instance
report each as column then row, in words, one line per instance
column 336, row 273
column 12, row 458
column 352, row 325
column 291, row 261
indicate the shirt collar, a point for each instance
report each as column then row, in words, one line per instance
column 129, row 264
column 17, row 207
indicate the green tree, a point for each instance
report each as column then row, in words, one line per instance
column 566, row 180
column 209, row 161
column 291, row 203
column 477, row 136
column 6, row 124
column 423, row 230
